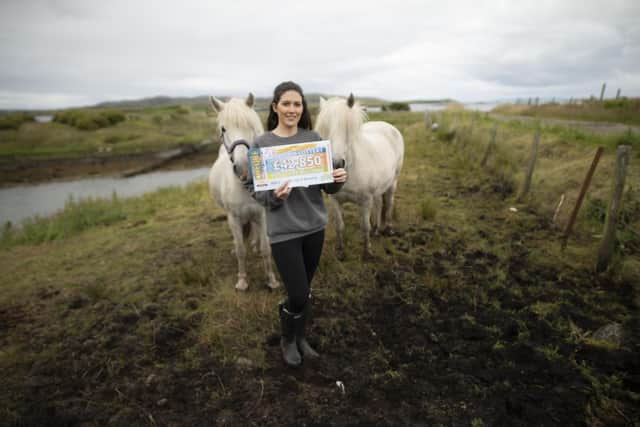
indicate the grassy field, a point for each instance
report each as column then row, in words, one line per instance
column 124, row 312
column 623, row 110
column 148, row 130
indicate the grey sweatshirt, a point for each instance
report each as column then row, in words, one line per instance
column 303, row 212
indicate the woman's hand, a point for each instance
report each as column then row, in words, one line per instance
column 339, row 175
column 283, row 191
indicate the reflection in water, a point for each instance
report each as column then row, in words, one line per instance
column 18, row 203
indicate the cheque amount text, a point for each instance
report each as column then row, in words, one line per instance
column 297, row 162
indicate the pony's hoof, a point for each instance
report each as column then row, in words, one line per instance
column 340, row 255
column 367, row 256
column 242, row 285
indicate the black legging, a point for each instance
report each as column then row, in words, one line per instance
column 297, row 260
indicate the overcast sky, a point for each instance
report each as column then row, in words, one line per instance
column 60, row 53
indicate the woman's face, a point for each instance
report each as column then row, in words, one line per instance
column 289, row 109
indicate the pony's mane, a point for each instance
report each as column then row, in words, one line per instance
column 336, row 117
column 236, row 114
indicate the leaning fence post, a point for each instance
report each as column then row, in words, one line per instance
column 532, row 164
column 608, row 241
column 583, row 191
column 492, row 142
column 604, row 86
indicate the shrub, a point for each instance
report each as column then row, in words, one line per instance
column 114, row 116
column 14, row 120
column 89, row 119
column 396, row 106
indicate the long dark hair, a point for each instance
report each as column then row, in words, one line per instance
column 305, row 118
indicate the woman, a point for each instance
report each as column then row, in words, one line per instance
column 296, row 218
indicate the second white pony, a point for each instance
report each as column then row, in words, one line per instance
column 373, row 153
column 239, row 125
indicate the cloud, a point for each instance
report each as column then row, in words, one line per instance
column 73, row 50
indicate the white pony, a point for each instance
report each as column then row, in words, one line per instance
column 239, row 125
column 373, row 152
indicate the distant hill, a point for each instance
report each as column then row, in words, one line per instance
column 262, row 103
column 430, row 101
column 156, row 101
column 202, row 101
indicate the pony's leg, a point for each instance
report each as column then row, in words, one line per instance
column 387, row 217
column 365, row 226
column 254, row 238
column 265, row 252
column 336, row 210
column 377, row 214
column 241, row 254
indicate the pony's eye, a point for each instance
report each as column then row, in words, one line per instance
column 222, row 130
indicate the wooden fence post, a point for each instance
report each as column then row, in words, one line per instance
column 428, row 121
column 609, row 240
column 583, row 191
column 604, row 86
column 492, row 142
column 618, row 94
column 532, row 164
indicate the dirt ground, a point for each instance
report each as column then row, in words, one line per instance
column 408, row 350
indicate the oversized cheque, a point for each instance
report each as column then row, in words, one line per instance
column 301, row 165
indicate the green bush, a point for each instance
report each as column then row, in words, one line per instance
column 14, row 120
column 114, row 116
column 89, row 119
column 396, row 106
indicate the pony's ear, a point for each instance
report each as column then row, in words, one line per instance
column 216, row 104
column 250, row 100
column 322, row 101
column 351, row 100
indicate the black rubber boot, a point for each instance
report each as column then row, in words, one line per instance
column 300, row 324
column 290, row 352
